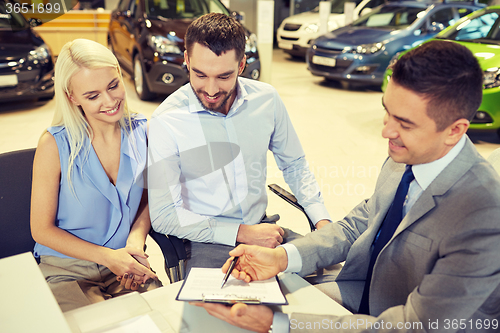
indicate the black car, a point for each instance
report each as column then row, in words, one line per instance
column 147, row 37
column 26, row 64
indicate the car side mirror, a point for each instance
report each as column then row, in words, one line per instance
column 35, row 22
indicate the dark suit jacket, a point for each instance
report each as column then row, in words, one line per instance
column 441, row 266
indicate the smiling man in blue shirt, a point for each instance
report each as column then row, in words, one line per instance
column 208, row 148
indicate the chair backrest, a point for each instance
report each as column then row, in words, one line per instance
column 15, row 196
column 174, row 254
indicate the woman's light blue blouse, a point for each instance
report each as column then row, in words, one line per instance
column 100, row 213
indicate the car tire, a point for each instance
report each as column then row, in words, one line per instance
column 255, row 74
column 140, row 84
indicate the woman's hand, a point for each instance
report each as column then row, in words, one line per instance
column 130, row 265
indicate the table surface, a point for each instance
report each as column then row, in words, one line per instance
column 181, row 317
column 27, row 303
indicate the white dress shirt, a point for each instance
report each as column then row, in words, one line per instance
column 207, row 171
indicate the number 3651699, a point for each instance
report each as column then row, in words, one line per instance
column 34, row 8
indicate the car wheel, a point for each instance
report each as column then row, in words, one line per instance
column 255, row 74
column 140, row 84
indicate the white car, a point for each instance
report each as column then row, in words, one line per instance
column 296, row 32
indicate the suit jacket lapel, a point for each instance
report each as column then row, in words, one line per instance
column 443, row 182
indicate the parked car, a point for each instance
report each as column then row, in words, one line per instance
column 480, row 33
column 147, row 37
column 26, row 64
column 296, row 32
column 362, row 51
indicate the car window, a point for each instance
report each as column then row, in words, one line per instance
column 175, row 9
column 134, row 4
column 480, row 27
column 10, row 19
column 389, row 17
column 463, row 12
column 442, row 18
column 374, row 3
column 338, row 6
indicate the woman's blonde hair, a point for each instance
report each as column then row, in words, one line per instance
column 75, row 55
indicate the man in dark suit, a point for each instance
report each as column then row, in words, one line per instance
column 423, row 253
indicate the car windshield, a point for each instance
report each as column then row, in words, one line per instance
column 175, row 9
column 480, row 29
column 390, row 17
column 338, row 6
column 9, row 19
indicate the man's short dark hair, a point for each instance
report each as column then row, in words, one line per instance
column 219, row 32
column 447, row 75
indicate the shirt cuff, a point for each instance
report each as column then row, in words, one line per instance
column 294, row 258
column 281, row 323
column 317, row 212
column 225, row 233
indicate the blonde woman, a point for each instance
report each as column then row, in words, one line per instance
column 89, row 211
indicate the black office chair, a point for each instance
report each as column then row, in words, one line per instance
column 15, row 193
column 290, row 198
column 174, row 254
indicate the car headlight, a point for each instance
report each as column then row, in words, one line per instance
column 366, row 48
column 312, row 28
column 491, row 78
column 40, row 54
column 251, row 43
column 163, row 45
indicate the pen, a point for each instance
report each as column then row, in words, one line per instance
column 229, row 270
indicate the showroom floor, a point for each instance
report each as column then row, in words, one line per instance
column 340, row 130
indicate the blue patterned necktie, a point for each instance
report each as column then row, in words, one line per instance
column 389, row 226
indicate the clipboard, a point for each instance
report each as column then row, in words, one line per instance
column 203, row 285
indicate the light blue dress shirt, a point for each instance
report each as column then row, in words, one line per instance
column 101, row 213
column 424, row 176
column 207, row 171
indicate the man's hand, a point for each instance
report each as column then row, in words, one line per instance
column 256, row 262
column 257, row 318
column 322, row 223
column 262, row 234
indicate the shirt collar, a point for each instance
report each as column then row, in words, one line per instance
column 195, row 105
column 427, row 172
